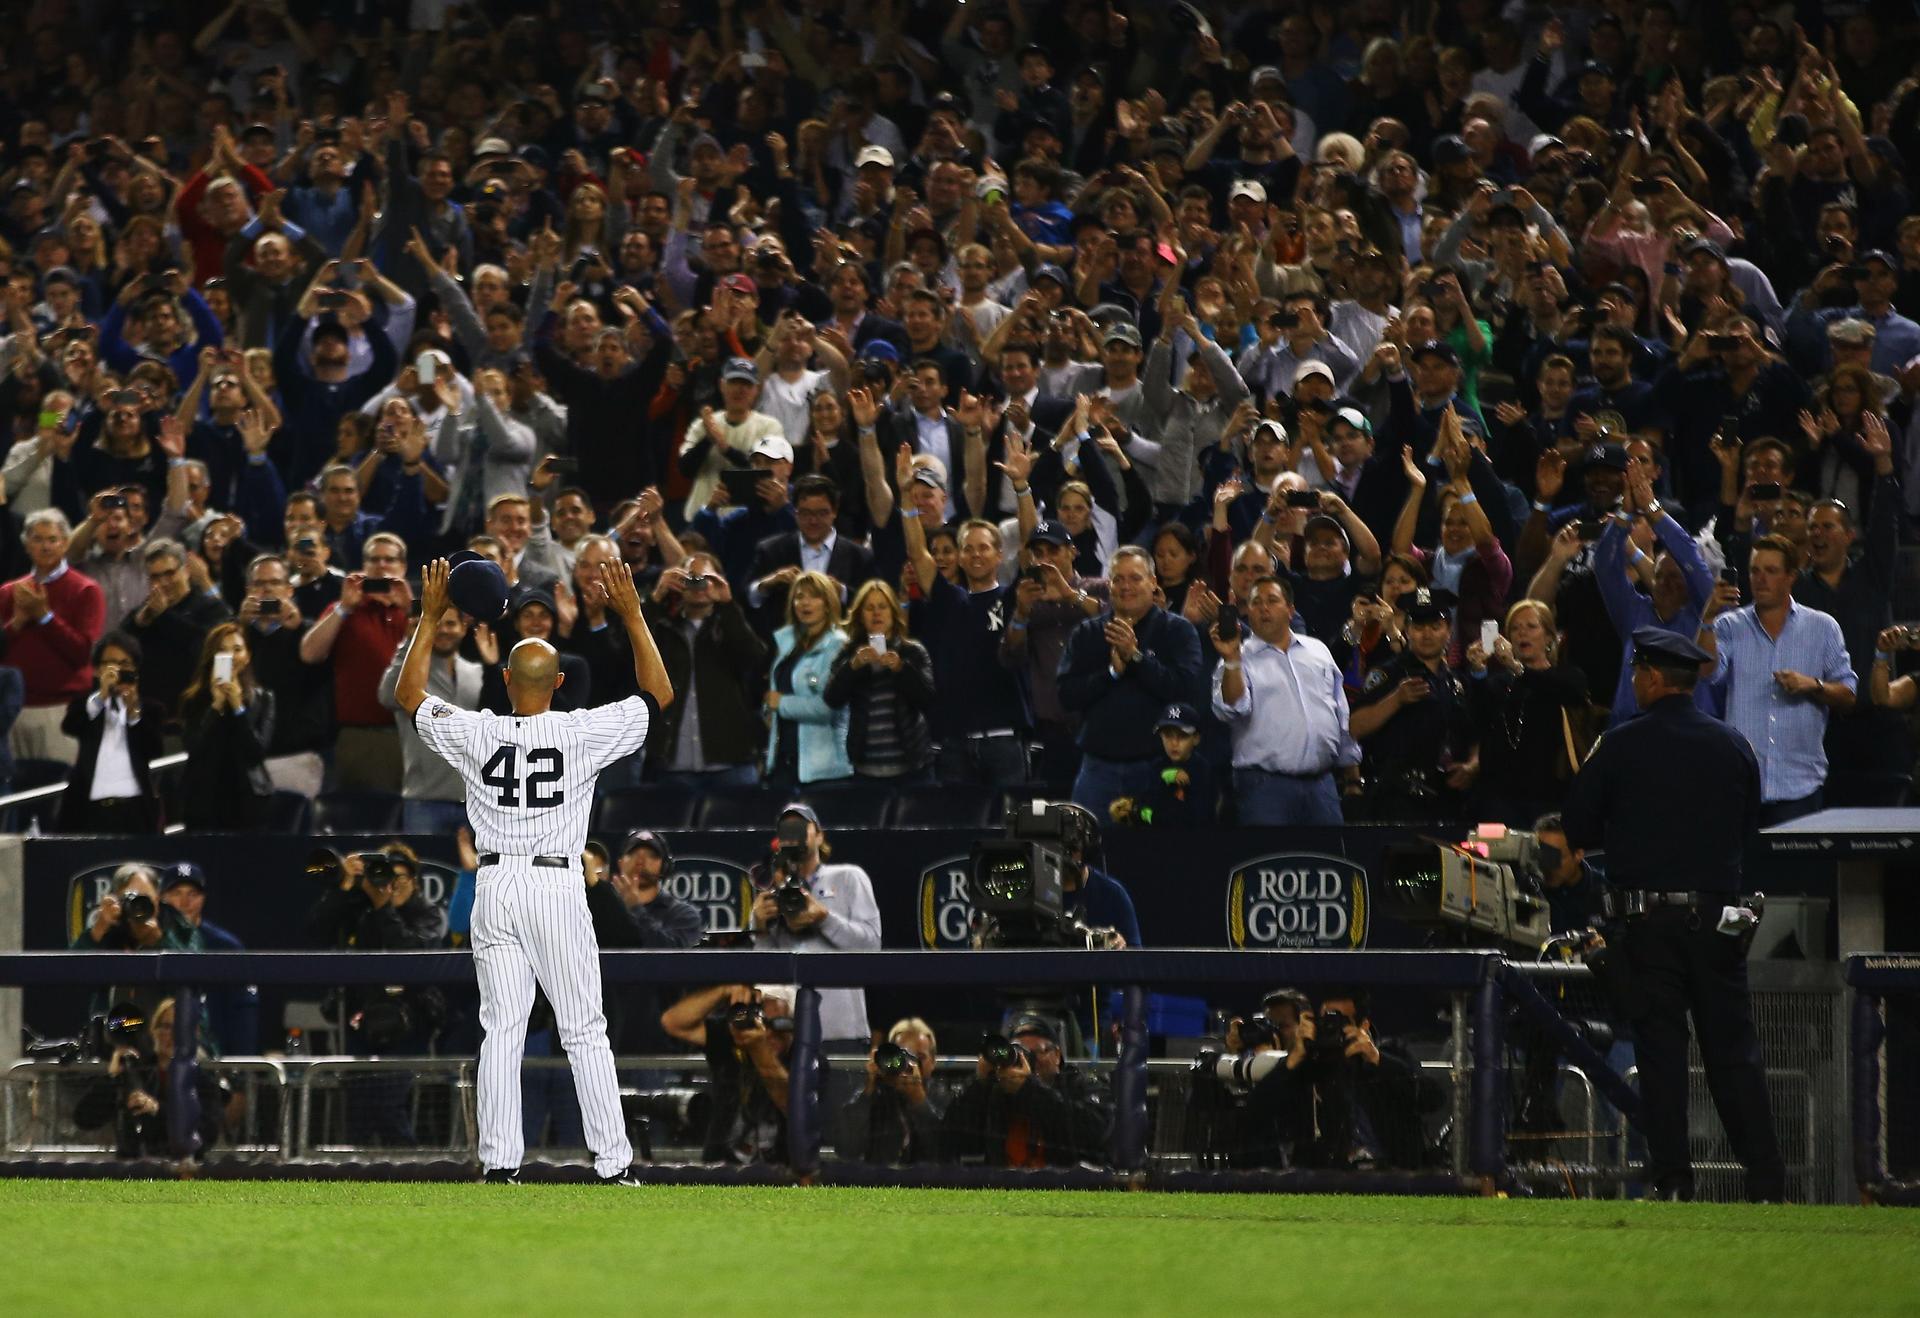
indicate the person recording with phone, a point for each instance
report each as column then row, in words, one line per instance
column 1284, row 701
column 710, row 736
column 357, row 637
column 228, row 718
column 111, row 788
column 884, row 679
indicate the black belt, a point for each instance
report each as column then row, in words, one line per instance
column 1618, row 902
column 1313, row 775
column 544, row 862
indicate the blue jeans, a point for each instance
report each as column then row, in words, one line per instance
column 438, row 817
column 1100, row 781
column 1274, row 799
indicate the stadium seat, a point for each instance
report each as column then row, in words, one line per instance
column 864, row 806
column 662, row 807
column 28, row 774
column 356, row 812
column 941, row 805
column 739, row 808
column 289, row 812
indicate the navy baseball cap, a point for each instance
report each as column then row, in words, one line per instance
column 1436, row 348
column 646, row 837
column 1049, row 271
column 184, row 871
column 1885, row 258
column 740, row 368
column 1029, row 1023
column 805, row 811
column 478, row 588
column 1049, row 533
column 1607, row 455
column 1656, row 647
column 1179, row 716
column 882, row 350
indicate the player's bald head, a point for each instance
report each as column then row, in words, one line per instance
column 533, row 665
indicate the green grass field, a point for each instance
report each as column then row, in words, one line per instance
column 450, row 1251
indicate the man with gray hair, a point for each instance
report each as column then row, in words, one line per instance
column 52, row 616
column 171, row 625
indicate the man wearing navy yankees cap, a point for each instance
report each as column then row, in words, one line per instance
column 530, row 778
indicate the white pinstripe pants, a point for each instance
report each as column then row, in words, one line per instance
column 532, row 924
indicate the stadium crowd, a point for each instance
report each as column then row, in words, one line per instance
column 1274, row 413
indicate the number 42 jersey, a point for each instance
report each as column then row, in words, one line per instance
column 530, row 777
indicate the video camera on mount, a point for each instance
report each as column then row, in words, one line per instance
column 1019, row 880
column 1485, row 888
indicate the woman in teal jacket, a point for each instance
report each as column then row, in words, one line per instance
column 807, row 742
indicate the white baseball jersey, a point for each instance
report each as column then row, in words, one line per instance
column 530, row 777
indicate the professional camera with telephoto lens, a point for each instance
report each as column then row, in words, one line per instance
column 1485, row 889
column 892, row 1061
column 135, row 906
column 1002, row 1053
column 325, row 866
column 122, row 1025
column 1329, row 1034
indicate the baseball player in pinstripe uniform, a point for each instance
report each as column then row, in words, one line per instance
column 530, row 778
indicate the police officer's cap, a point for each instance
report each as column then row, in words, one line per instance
column 1656, row 647
column 1428, row 604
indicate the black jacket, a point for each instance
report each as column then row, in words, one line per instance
column 227, row 786
column 1064, row 1121
column 883, row 1128
column 724, row 665
column 171, row 643
column 861, row 692
column 302, row 693
column 143, row 745
column 849, row 563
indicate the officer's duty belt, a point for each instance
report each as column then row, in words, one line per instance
column 1619, row 902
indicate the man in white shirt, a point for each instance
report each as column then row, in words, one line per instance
column 1283, row 701
column 789, row 382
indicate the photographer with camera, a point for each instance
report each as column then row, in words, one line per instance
column 111, row 789
column 1342, row 1099
column 892, row 1121
column 1221, row 1126
column 134, row 1093
column 371, row 903
column 803, row 904
column 746, row 1032
column 1026, row 1106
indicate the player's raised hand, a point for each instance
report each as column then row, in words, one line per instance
column 622, row 598
column 433, row 589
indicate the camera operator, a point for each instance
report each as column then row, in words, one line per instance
column 134, row 1093
column 746, row 1032
column 372, row 903
column 1093, row 896
column 893, row 1121
column 1221, row 1123
column 1026, row 1107
column 1344, row 1100
column 807, row 905
column 132, row 918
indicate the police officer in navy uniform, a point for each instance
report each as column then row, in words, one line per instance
column 1414, row 721
column 1672, row 796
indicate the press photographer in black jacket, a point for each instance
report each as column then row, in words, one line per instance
column 372, row 903
column 1343, row 1100
column 1026, row 1107
column 892, row 1121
